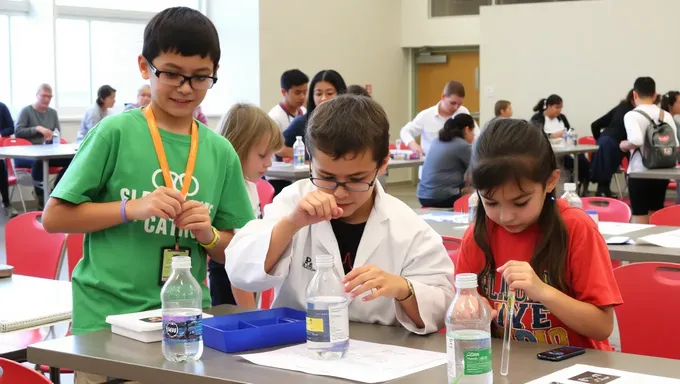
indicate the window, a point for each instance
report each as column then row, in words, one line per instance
column 5, row 68
column 131, row 5
column 73, row 63
column 29, row 65
column 439, row 8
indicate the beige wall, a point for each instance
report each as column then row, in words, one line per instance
column 590, row 55
column 419, row 30
column 358, row 38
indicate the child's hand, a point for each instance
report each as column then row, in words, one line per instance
column 195, row 217
column 520, row 275
column 314, row 207
column 370, row 277
column 164, row 202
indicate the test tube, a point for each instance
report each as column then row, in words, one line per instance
column 507, row 322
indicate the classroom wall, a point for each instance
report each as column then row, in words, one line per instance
column 358, row 38
column 419, row 30
column 588, row 52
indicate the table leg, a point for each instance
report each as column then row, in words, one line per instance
column 576, row 172
column 55, row 375
column 46, row 182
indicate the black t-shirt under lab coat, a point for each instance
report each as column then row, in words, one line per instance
column 348, row 237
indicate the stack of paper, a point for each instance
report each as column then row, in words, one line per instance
column 365, row 362
column 446, row 217
column 580, row 373
column 618, row 229
column 669, row 239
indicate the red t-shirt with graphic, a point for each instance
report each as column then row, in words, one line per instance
column 589, row 277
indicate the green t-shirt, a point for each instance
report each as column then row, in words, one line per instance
column 119, row 272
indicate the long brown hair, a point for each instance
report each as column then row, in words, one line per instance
column 514, row 150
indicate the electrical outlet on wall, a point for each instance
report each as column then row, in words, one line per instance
column 489, row 91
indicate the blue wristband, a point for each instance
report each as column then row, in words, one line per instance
column 122, row 211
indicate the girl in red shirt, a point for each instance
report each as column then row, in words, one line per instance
column 551, row 254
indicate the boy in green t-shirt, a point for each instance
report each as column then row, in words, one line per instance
column 115, row 191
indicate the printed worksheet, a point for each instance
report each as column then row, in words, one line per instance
column 580, row 373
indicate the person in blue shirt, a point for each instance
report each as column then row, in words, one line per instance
column 447, row 160
column 6, row 130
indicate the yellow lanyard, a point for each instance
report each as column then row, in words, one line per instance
column 163, row 160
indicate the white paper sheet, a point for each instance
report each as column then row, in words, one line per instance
column 618, row 229
column 670, row 239
column 446, row 217
column 580, row 373
column 364, row 362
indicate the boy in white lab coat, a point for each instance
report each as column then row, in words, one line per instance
column 394, row 263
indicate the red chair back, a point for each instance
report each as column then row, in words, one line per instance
column 667, row 216
column 30, row 249
column 461, row 205
column 608, row 209
column 588, row 140
column 12, row 372
column 265, row 192
column 10, row 142
column 267, row 299
column 646, row 288
column 624, row 164
column 452, row 244
column 394, row 146
column 74, row 249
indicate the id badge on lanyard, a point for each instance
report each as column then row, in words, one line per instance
column 170, row 251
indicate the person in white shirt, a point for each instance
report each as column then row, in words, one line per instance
column 646, row 195
column 429, row 122
column 255, row 137
column 395, row 267
column 294, row 84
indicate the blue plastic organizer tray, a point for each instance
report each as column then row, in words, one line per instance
column 254, row 330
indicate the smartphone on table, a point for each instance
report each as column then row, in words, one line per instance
column 561, row 353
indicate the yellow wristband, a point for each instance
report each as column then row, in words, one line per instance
column 215, row 240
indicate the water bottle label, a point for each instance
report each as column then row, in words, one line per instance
column 477, row 362
column 182, row 329
column 328, row 325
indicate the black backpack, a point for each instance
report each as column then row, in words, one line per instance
column 658, row 149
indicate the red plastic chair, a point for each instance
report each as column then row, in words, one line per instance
column 13, row 373
column 645, row 288
column 267, row 299
column 608, row 209
column 265, row 192
column 74, row 249
column 667, row 216
column 588, row 140
column 461, row 205
column 452, row 245
column 394, row 146
column 16, row 142
column 13, row 181
column 30, row 249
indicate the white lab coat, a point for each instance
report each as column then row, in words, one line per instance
column 395, row 239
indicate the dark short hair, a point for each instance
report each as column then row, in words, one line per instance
column 356, row 89
column 455, row 126
column 292, row 78
column 327, row 75
column 103, row 92
column 454, row 88
column 349, row 125
column 501, row 105
column 645, row 86
column 668, row 100
column 543, row 104
column 184, row 31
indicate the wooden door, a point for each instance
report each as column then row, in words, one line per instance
column 460, row 66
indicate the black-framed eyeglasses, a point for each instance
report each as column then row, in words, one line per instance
column 177, row 79
column 350, row 186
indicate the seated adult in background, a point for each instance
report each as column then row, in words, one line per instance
column 429, row 122
column 502, row 110
column 355, row 89
column 550, row 119
column 609, row 131
column 106, row 98
column 143, row 98
column 36, row 123
column 294, row 84
column 447, row 160
column 6, row 130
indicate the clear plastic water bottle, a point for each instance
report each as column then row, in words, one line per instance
column 566, row 137
column 573, row 136
column 298, row 152
column 468, row 335
column 182, row 299
column 473, row 201
column 56, row 138
column 571, row 196
column 327, row 312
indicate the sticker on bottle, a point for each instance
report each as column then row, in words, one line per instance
column 182, row 329
column 477, row 361
column 328, row 325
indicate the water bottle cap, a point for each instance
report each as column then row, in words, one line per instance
column 298, row 137
column 324, row 260
column 181, row 262
column 570, row 187
column 466, row 280
column 591, row 211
